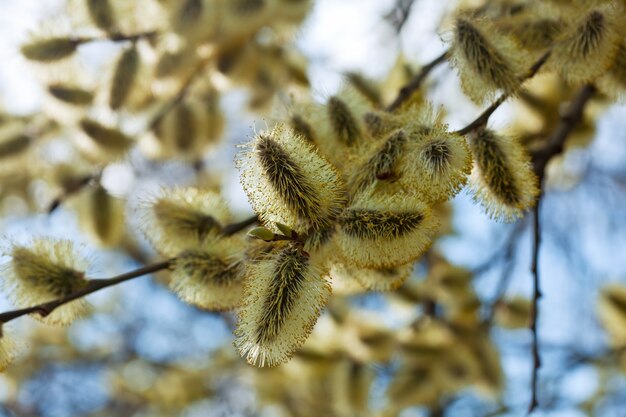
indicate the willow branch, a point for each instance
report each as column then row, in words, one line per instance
column 481, row 121
column 92, row 286
column 415, row 83
column 554, row 146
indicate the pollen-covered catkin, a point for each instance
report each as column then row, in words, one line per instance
column 485, row 63
column 586, row 51
column 385, row 231
column 284, row 296
column 44, row 271
column 124, row 76
column 502, row 179
column 287, row 181
column 384, row 279
column 210, row 276
column 183, row 218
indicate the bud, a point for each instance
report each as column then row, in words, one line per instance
column 286, row 230
column 262, row 233
column 284, row 296
column 48, row 270
column 287, row 181
column 586, row 51
column 50, row 50
column 124, row 76
column 502, row 178
column 534, row 34
column 183, row 218
column 71, row 95
column 211, row 275
column 485, row 63
column 385, row 232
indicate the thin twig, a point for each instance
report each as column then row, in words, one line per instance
column 92, row 286
column 554, row 146
column 414, row 84
column 233, row 228
column 481, row 121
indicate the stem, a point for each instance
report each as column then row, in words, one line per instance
column 414, row 84
column 233, row 228
column 92, row 286
column 481, row 121
column 554, row 146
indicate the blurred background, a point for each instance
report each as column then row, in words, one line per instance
column 145, row 353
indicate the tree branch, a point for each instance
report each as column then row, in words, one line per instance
column 407, row 91
column 554, row 146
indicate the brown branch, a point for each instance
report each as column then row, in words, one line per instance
column 414, row 84
column 92, row 286
column 554, row 146
column 481, row 121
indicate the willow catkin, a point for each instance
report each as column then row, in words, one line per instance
column 102, row 216
column 124, row 76
column 502, row 179
column 101, row 14
column 586, row 51
column 533, row 33
column 10, row 348
column 513, row 313
column 612, row 313
column 284, row 296
column 46, row 270
column 385, row 279
column 183, row 218
column 104, row 141
column 613, row 82
column 385, row 232
column 75, row 96
column 287, row 181
column 487, row 60
column 50, row 50
column 14, row 145
column 210, row 276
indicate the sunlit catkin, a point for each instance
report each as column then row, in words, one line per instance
column 284, row 296
column 211, row 275
column 502, row 179
column 586, row 51
column 124, row 76
column 50, row 50
column 385, row 232
column 613, row 82
column 288, row 182
column 44, row 271
column 385, row 279
column 183, row 218
column 487, row 60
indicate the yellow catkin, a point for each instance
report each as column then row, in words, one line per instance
column 124, row 77
column 75, row 96
column 533, row 33
column 102, row 216
column 104, row 141
column 612, row 313
column 101, row 14
column 486, row 60
column 284, row 296
column 423, row 158
column 183, row 218
column 287, row 181
column 50, row 50
column 211, row 275
column 586, row 51
column 613, row 83
column 372, row 279
column 385, row 231
column 46, row 270
column 10, row 348
column 502, row 179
